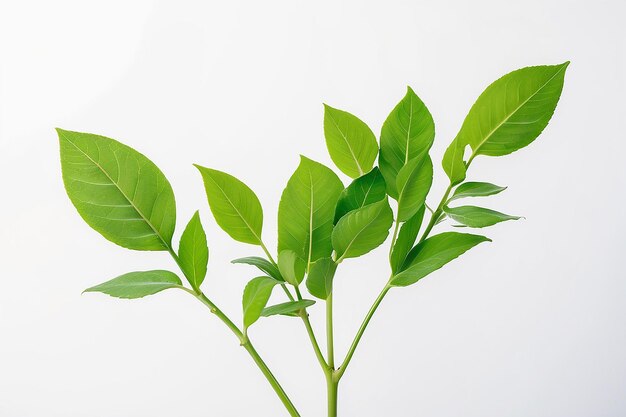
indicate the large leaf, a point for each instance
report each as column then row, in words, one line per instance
column 234, row 205
column 307, row 209
column 507, row 116
column 351, row 143
column 475, row 189
column 119, row 192
column 263, row 264
column 291, row 267
column 408, row 132
column 364, row 190
column 362, row 230
column 413, row 183
column 473, row 216
column 193, row 252
column 406, row 239
column 138, row 284
column 432, row 254
column 319, row 281
column 290, row 308
column 255, row 297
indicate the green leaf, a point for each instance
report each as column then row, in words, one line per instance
column 290, row 308
column 432, row 254
column 408, row 132
column 255, row 297
column 508, row 115
column 362, row 230
column 475, row 189
column 138, row 284
column 364, row 190
column 351, row 143
column 319, row 281
column 406, row 239
column 307, row 209
column 473, row 216
column 291, row 267
column 193, row 252
column 263, row 264
column 234, row 205
column 413, row 183
column 119, row 192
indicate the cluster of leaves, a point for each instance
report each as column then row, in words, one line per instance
column 124, row 196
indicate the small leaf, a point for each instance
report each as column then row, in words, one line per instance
column 119, row 192
column 475, row 189
column 364, row 190
column 432, row 254
column 408, row 132
column 307, row 209
column 351, row 143
column 413, row 183
column 290, row 308
column 473, row 216
column 509, row 115
column 193, row 252
column 263, row 264
column 406, row 239
column 234, row 205
column 291, row 267
column 138, row 284
column 255, row 297
column 319, row 281
column 362, row 230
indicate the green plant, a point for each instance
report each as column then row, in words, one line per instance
column 121, row 194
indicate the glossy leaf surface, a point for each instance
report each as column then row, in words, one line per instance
column 290, row 308
column 319, row 281
column 351, row 143
column 193, row 252
column 263, row 264
column 291, row 267
column 255, row 297
column 406, row 239
column 234, row 205
column 432, row 254
column 362, row 230
column 475, row 189
column 118, row 191
column 138, row 284
column 413, row 184
column 473, row 216
column 364, row 190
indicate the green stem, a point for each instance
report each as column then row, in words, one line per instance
column 395, row 236
column 309, row 329
column 329, row 332
column 332, row 386
column 357, row 338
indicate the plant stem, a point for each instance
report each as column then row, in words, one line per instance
column 332, row 386
column 329, row 332
column 359, row 334
column 394, row 237
column 309, row 329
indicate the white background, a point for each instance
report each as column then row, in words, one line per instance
column 532, row 324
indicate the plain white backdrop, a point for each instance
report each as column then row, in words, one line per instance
column 531, row 325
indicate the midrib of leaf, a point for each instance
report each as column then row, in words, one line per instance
column 511, row 114
column 308, row 263
column 348, row 145
column 408, row 132
column 237, row 210
column 132, row 203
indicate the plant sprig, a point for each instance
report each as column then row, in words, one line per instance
column 321, row 223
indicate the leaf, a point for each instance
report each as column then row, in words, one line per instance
column 475, row 189
column 255, row 297
column 193, row 252
column 263, row 264
column 291, row 267
column 290, row 308
column 406, row 239
column 507, row 116
column 234, row 205
column 118, row 191
column 307, row 209
column 319, row 281
column 413, row 183
column 362, row 230
column 432, row 254
column 364, row 190
column 473, row 216
column 138, row 284
column 408, row 132
column 351, row 143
